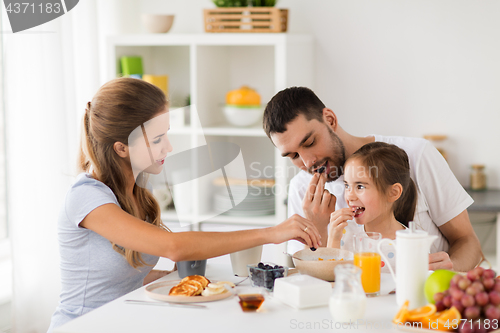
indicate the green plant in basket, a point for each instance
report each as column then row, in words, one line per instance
column 230, row 3
column 263, row 3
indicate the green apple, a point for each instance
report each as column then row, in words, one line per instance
column 437, row 282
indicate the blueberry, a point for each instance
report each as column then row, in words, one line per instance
column 276, row 266
column 260, row 265
column 267, row 267
column 313, row 249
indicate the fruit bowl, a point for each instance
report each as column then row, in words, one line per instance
column 243, row 115
column 308, row 262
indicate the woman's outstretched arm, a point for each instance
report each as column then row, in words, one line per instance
column 114, row 224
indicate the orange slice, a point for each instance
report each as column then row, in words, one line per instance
column 420, row 313
column 402, row 315
column 449, row 320
column 428, row 321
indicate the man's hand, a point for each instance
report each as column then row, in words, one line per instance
column 338, row 221
column 440, row 260
column 318, row 204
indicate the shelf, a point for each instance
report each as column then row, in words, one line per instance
column 185, row 130
column 267, row 220
column 224, row 130
column 228, row 130
column 206, row 66
column 171, row 216
column 207, row 39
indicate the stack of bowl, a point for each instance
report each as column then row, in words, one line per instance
column 244, row 198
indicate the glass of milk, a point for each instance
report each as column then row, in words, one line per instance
column 348, row 300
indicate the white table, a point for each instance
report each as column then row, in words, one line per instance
column 226, row 315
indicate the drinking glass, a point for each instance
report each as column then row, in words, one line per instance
column 368, row 259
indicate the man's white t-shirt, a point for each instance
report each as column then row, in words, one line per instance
column 440, row 195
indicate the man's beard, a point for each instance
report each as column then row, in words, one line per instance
column 337, row 160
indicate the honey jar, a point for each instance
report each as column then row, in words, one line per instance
column 478, row 178
column 438, row 140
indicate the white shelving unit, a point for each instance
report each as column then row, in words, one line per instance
column 206, row 67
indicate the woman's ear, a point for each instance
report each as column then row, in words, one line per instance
column 395, row 192
column 330, row 118
column 121, row 149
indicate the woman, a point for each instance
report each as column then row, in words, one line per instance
column 110, row 229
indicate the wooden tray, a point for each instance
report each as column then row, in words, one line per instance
column 246, row 19
column 160, row 290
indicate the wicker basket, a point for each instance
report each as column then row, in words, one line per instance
column 246, row 19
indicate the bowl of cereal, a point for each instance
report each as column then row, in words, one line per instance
column 321, row 263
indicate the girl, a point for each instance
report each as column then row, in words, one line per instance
column 110, row 228
column 380, row 194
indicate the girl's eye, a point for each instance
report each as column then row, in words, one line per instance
column 157, row 141
column 360, row 187
column 346, row 186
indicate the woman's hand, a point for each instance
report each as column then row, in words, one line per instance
column 338, row 221
column 298, row 228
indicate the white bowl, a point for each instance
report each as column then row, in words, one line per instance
column 157, row 23
column 243, row 116
column 307, row 261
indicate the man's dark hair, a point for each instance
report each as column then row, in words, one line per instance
column 286, row 105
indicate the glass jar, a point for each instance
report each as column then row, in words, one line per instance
column 438, row 142
column 348, row 300
column 478, row 178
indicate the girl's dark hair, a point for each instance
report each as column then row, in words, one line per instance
column 286, row 105
column 118, row 107
column 387, row 165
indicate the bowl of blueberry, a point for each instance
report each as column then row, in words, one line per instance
column 263, row 274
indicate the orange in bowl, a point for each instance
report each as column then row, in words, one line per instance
column 244, row 96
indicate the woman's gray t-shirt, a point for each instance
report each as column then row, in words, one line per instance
column 92, row 272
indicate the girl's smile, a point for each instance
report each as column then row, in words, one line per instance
column 363, row 197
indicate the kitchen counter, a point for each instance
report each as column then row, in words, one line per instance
column 487, row 201
column 226, row 315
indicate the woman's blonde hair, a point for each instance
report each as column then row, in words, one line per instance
column 118, row 107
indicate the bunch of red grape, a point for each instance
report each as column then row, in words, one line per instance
column 476, row 295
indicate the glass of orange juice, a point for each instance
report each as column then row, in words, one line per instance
column 368, row 259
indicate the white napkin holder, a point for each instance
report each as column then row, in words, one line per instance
column 302, row 291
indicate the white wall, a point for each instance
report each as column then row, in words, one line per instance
column 396, row 67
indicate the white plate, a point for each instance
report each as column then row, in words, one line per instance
column 160, row 290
